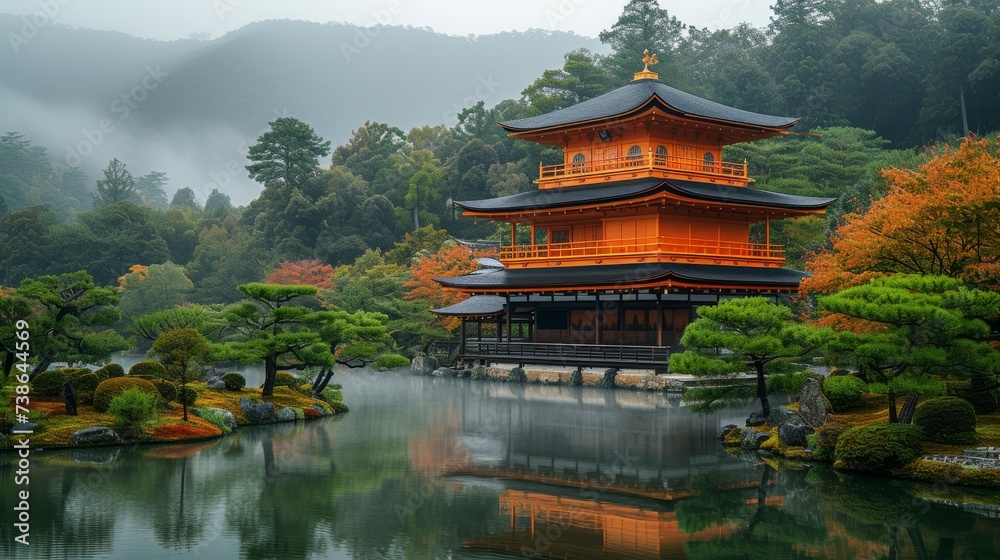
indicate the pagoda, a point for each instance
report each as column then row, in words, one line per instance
column 642, row 223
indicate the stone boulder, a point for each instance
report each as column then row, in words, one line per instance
column 608, row 381
column 98, row 435
column 756, row 419
column 518, row 375
column 726, row 430
column 752, row 439
column 257, row 412
column 443, row 372
column 423, row 365
column 794, row 433
column 216, row 383
column 576, row 378
column 813, row 407
column 780, row 416
column 287, row 414
column 228, row 418
column 463, row 373
column 479, row 373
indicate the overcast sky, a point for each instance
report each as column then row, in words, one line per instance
column 173, row 19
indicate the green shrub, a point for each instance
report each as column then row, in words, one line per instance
column 85, row 385
column 215, row 418
column 843, row 392
column 923, row 386
column 840, row 372
column 111, row 371
column 285, row 379
column 71, row 372
column 879, row 447
column 826, row 437
column 386, row 362
column 187, row 395
column 786, row 383
column 133, row 409
column 339, row 407
column 148, row 369
column 234, row 381
column 947, row 420
column 166, row 389
column 48, row 383
column 332, row 395
column 979, row 392
column 113, row 387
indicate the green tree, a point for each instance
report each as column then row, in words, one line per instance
column 118, row 185
column 642, row 25
column 580, row 79
column 110, row 239
column 369, row 149
column 185, row 200
column 289, row 152
column 72, row 325
column 160, row 286
column 218, row 204
column 25, row 236
column 149, row 190
column 13, row 308
column 903, row 324
column 746, row 335
column 296, row 337
column 182, row 351
column 197, row 317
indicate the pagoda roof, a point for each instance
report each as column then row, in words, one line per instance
column 640, row 95
column 625, row 190
column 475, row 306
column 623, row 276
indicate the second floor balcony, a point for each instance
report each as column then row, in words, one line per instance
column 637, row 166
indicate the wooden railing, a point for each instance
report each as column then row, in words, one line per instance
column 648, row 160
column 639, row 246
column 569, row 354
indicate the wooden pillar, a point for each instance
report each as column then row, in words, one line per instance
column 598, row 314
column 462, row 341
column 621, row 319
column 767, row 234
column 499, row 328
column 659, row 319
column 532, row 241
column 513, row 234
column 508, row 319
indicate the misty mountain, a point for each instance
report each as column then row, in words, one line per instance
column 190, row 107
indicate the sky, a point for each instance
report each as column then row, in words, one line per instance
column 175, row 19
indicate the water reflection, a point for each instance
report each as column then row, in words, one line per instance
column 431, row 468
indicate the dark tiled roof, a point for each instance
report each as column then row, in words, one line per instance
column 638, row 94
column 475, row 306
column 621, row 276
column 624, row 190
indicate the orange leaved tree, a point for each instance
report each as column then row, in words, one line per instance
column 308, row 273
column 942, row 219
column 450, row 260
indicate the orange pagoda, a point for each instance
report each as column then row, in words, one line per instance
column 640, row 225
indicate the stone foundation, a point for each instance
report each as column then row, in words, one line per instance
column 592, row 377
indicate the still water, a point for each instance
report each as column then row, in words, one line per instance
column 429, row 468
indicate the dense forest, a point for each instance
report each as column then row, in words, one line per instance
column 877, row 84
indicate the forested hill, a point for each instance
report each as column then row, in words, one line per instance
column 207, row 97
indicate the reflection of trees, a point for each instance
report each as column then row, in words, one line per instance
column 765, row 530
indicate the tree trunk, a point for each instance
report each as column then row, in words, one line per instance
column 909, row 407
column 8, row 363
column 892, row 404
column 270, row 372
column 43, row 364
column 322, row 380
column 184, row 401
column 416, row 217
column 965, row 117
column 765, row 405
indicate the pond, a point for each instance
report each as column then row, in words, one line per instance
column 434, row 468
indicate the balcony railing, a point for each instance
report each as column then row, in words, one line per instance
column 569, row 354
column 645, row 161
column 666, row 246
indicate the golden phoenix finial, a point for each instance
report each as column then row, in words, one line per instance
column 649, row 59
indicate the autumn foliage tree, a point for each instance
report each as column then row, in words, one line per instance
column 450, row 260
column 305, row 272
column 942, row 219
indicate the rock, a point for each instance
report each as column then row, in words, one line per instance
column 725, row 431
column 423, row 365
column 753, row 438
column 443, row 372
column 25, row 427
column 608, row 381
column 576, row 378
column 287, row 414
column 257, row 412
column 322, row 411
column 813, row 407
column 228, row 418
column 217, row 383
column 794, row 433
column 674, row 386
column 479, row 373
column 518, row 375
column 780, row 416
column 463, row 373
column 98, row 435
column 756, row 419
column 69, row 394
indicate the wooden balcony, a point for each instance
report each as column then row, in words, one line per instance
column 646, row 165
column 664, row 249
column 568, row 354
